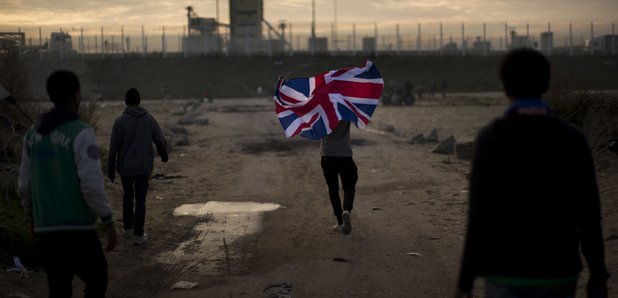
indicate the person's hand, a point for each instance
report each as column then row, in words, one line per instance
column 164, row 159
column 597, row 289
column 112, row 237
column 462, row 294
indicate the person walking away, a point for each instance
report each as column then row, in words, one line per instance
column 62, row 191
column 131, row 154
column 533, row 197
column 337, row 162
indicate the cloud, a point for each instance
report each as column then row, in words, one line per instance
column 171, row 13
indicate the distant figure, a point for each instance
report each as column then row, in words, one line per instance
column 533, row 197
column 207, row 96
column 61, row 188
column 432, row 90
column 443, row 88
column 131, row 153
column 259, row 91
column 419, row 91
column 337, row 162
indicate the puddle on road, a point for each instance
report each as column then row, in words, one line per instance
column 206, row 248
column 224, row 207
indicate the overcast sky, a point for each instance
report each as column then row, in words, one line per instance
column 26, row 13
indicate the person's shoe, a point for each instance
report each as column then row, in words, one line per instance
column 346, row 228
column 128, row 233
column 337, row 228
column 140, row 240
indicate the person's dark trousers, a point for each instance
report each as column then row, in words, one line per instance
column 64, row 254
column 344, row 167
column 134, row 187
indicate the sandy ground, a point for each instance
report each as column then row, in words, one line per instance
column 408, row 220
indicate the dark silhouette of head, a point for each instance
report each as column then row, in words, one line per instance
column 63, row 88
column 132, row 97
column 525, row 74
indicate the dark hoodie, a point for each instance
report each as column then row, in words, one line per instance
column 130, row 149
column 54, row 118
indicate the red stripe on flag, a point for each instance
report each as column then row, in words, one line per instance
column 356, row 89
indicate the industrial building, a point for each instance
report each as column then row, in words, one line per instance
column 246, row 32
column 606, row 44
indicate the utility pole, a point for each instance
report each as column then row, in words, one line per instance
column 312, row 41
column 217, row 27
column 335, row 41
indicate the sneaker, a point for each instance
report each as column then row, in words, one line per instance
column 346, row 228
column 128, row 233
column 337, row 228
column 140, row 240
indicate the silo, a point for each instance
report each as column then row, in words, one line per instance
column 246, row 26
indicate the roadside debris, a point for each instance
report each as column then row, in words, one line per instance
column 433, row 136
column 420, row 138
column 192, row 118
column 465, row 150
column 446, row 147
column 184, row 285
column 413, row 254
column 340, row 259
column 19, row 267
column 283, row 290
column 160, row 176
column 17, row 295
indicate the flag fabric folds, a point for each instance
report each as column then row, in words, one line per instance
column 313, row 107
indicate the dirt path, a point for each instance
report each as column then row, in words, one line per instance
column 408, row 220
column 408, row 216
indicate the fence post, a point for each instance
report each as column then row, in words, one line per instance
column 463, row 40
column 102, row 44
column 418, row 40
column 484, row 39
column 550, row 42
column 591, row 43
column 398, row 41
column 354, row 39
column 290, row 39
column 122, row 41
column 81, row 42
column 570, row 39
column 184, row 46
column 506, row 37
column 613, row 40
column 143, row 43
column 441, row 40
column 163, row 49
column 528, row 44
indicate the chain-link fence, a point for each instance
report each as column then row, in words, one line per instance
column 448, row 38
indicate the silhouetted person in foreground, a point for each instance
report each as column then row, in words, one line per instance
column 132, row 155
column 533, row 197
column 61, row 188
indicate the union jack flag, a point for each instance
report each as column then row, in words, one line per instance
column 313, row 107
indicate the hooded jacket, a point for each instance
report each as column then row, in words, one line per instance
column 60, row 178
column 534, row 202
column 130, row 149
